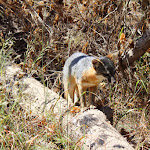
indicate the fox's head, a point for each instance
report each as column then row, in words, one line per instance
column 104, row 66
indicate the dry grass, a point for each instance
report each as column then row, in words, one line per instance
column 40, row 35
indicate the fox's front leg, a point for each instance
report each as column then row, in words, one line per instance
column 70, row 96
column 82, row 96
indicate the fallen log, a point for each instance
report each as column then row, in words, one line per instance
column 89, row 129
column 92, row 131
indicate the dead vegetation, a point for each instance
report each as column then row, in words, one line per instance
column 40, row 35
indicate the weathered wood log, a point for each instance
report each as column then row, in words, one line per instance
column 32, row 95
column 89, row 129
column 92, row 131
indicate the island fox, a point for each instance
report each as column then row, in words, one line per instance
column 82, row 72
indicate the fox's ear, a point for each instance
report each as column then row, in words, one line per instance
column 97, row 63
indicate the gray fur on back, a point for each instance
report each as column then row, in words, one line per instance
column 76, row 64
